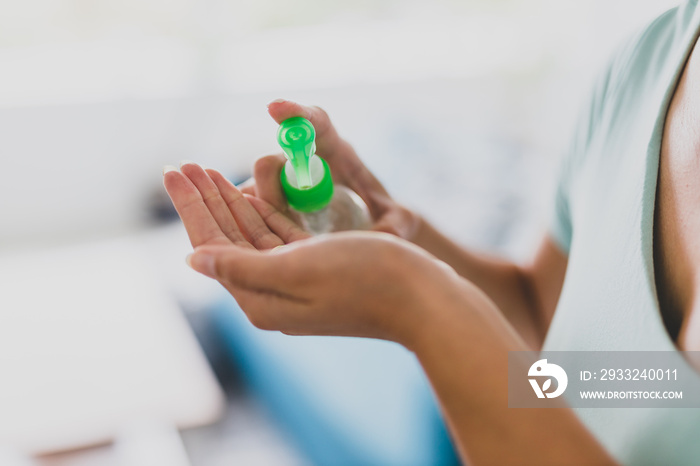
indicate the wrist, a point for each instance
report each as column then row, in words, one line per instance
column 438, row 300
column 395, row 219
column 415, row 223
column 424, row 234
column 453, row 307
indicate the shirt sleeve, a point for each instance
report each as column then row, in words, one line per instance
column 562, row 218
column 561, row 229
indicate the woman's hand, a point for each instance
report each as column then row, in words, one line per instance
column 366, row 284
column 345, row 165
column 362, row 284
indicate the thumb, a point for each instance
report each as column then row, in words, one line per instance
column 267, row 181
column 245, row 268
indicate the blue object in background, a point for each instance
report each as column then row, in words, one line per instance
column 345, row 401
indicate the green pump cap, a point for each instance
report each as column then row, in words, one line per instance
column 297, row 138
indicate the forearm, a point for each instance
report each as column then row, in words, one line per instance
column 507, row 284
column 464, row 351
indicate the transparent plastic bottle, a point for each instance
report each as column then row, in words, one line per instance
column 307, row 184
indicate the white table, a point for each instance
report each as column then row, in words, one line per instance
column 93, row 348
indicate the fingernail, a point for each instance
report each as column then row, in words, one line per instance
column 276, row 101
column 203, row 263
column 185, row 162
column 169, row 168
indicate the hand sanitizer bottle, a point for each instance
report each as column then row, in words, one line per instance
column 307, row 184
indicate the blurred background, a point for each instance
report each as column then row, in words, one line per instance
column 462, row 109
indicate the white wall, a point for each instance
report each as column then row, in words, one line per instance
column 85, row 127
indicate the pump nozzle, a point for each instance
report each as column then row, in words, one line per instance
column 304, row 193
column 297, row 138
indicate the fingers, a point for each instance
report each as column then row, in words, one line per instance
column 201, row 226
column 280, row 224
column 267, row 181
column 218, row 207
column 214, row 211
column 247, row 218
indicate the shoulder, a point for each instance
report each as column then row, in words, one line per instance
column 624, row 84
column 639, row 62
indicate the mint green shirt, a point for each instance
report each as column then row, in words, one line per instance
column 604, row 220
